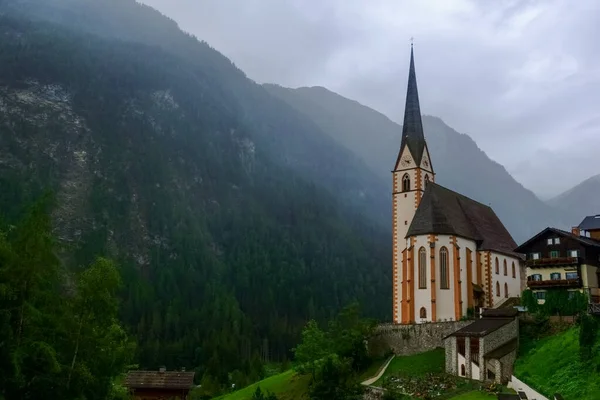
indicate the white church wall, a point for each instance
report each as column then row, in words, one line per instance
column 423, row 296
column 444, row 297
column 514, row 284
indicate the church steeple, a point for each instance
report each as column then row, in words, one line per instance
column 412, row 129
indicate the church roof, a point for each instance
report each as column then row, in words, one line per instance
column 412, row 128
column 443, row 211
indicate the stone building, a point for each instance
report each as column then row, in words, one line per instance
column 485, row 349
column 450, row 253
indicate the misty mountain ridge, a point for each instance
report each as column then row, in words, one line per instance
column 580, row 201
column 458, row 162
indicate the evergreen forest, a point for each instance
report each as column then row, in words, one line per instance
column 195, row 220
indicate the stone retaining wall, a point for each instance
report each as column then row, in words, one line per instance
column 404, row 340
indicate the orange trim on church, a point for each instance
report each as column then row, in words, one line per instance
column 419, row 187
column 432, row 240
column 404, row 287
column 469, row 278
column 488, row 270
column 411, row 282
column 478, row 267
column 457, row 280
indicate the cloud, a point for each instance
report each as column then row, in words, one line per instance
column 522, row 77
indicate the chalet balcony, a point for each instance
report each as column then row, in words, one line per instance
column 554, row 262
column 554, row 283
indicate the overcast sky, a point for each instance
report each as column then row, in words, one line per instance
column 521, row 77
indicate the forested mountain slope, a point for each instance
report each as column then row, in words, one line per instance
column 459, row 164
column 233, row 218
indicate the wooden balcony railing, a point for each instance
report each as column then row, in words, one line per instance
column 550, row 283
column 594, row 308
column 543, row 262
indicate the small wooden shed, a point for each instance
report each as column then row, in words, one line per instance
column 159, row 385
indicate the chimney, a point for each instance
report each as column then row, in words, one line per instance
column 162, row 369
column 576, row 231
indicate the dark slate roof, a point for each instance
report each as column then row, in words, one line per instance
column 503, row 350
column 412, row 129
column 443, row 211
column 590, row 223
column 160, row 380
column 581, row 239
column 482, row 327
column 500, row 312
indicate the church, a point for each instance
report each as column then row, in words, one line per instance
column 452, row 254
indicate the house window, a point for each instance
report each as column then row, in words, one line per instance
column 423, row 313
column 556, row 240
column 406, row 183
column 444, row 281
column 536, row 277
column 422, row 268
column 573, row 253
column 462, row 370
column 514, row 270
column 505, row 289
column 497, row 289
column 550, row 241
column 555, row 276
column 534, row 256
column 505, row 269
column 540, row 295
column 554, row 254
column 571, row 275
column 497, row 266
column 426, row 180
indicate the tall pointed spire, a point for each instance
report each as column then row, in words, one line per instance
column 412, row 129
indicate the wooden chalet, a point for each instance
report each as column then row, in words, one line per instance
column 159, row 385
column 558, row 259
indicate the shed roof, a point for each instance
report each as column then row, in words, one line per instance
column 160, row 380
column 482, row 327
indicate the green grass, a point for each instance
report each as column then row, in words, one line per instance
column 553, row 365
column 416, row 365
column 287, row 386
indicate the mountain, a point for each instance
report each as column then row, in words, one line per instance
column 234, row 218
column 459, row 164
column 579, row 201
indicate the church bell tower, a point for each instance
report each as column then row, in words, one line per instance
column 412, row 171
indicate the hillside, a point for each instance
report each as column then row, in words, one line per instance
column 553, row 366
column 579, row 201
column 233, row 221
column 459, row 164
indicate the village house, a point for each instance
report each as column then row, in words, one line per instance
column 558, row 259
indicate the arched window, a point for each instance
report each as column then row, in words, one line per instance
column 505, row 289
column 426, row 180
column 497, row 289
column 463, row 372
column 514, row 271
column 444, row 278
column 505, row 268
column 406, row 183
column 423, row 313
column 422, row 268
column 497, row 267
